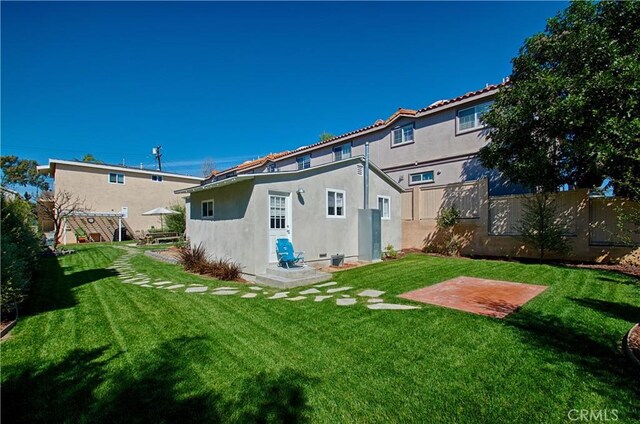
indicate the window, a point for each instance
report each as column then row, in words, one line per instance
column 342, row 152
column 207, row 209
column 335, row 203
column 304, row 162
column 272, row 167
column 384, row 204
column 423, row 177
column 115, row 178
column 277, row 212
column 402, row 135
column 156, row 178
column 471, row 118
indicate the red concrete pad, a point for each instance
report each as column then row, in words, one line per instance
column 477, row 295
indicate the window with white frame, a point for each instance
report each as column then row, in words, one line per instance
column 423, row 177
column 402, row 135
column 156, row 178
column 342, row 152
column 207, row 208
column 335, row 203
column 384, row 204
column 304, row 162
column 471, row 117
column 115, row 178
column 272, row 167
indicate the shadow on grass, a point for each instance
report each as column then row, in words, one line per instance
column 623, row 311
column 597, row 354
column 163, row 388
column 53, row 289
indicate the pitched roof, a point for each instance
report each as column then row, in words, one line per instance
column 50, row 168
column 379, row 124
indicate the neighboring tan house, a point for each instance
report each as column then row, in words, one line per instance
column 316, row 208
column 434, row 145
column 9, row 194
column 109, row 190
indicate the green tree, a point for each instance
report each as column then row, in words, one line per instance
column 571, row 112
column 540, row 228
column 446, row 221
column 22, row 172
column 324, row 136
column 176, row 222
column 90, row 159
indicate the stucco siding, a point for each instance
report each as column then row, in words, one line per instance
column 138, row 193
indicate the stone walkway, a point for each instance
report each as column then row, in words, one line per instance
column 325, row 292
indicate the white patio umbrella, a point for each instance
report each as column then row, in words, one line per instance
column 160, row 211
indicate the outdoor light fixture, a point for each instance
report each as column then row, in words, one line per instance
column 300, row 190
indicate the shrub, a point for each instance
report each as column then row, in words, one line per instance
column 540, row 228
column 389, row 252
column 176, row 222
column 20, row 247
column 446, row 221
column 196, row 260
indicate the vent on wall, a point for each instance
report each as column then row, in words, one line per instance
column 360, row 170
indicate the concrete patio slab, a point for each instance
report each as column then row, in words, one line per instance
column 477, row 295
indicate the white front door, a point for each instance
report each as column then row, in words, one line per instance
column 279, row 221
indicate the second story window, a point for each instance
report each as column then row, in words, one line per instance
column 115, row 178
column 156, row 178
column 402, row 135
column 304, row 162
column 272, row 167
column 471, row 118
column 342, row 152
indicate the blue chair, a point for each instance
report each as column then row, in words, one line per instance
column 286, row 255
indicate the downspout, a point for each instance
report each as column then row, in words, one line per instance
column 366, row 175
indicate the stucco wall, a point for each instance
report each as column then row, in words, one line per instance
column 243, row 235
column 139, row 193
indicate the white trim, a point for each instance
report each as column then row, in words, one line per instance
column 433, row 178
column 208, row 217
column 116, row 174
column 48, row 169
column 401, row 128
column 288, row 219
column 298, row 163
column 388, row 198
column 344, row 203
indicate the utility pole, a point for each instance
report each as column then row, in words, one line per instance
column 156, row 151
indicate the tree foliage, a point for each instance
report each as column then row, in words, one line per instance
column 324, row 136
column 446, row 220
column 90, row 159
column 56, row 207
column 540, row 227
column 20, row 247
column 22, row 172
column 571, row 112
column 176, row 222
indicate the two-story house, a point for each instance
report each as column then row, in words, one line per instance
column 313, row 194
column 109, row 189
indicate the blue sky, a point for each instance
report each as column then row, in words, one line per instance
column 234, row 81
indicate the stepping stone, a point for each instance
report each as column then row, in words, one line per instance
column 256, row 288
column 131, row 280
column 295, row 299
column 225, row 288
column 196, row 289
column 346, row 302
column 280, row 295
column 390, row 306
column 162, row 283
column 145, row 285
column 310, row 291
column 375, row 300
column 330, row 283
column 139, row 283
column 339, row 289
column 224, row 292
column 345, row 295
column 371, row 293
column 175, row 286
column 249, row 295
column 321, row 298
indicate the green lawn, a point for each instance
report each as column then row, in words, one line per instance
column 90, row 348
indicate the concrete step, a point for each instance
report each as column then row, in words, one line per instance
column 277, row 281
column 295, row 272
